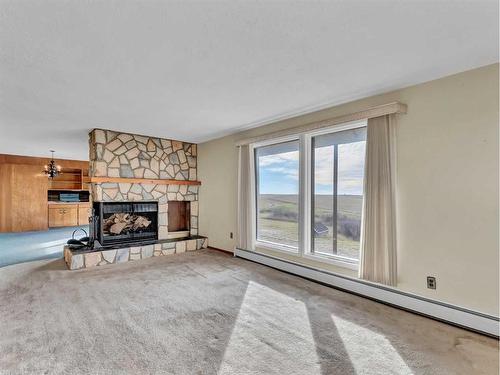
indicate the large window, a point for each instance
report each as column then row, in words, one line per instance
column 338, row 161
column 321, row 172
column 277, row 178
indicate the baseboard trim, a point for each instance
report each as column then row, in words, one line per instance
column 448, row 313
column 221, row 250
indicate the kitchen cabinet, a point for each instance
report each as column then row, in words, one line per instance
column 68, row 214
column 63, row 215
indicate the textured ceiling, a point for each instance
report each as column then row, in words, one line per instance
column 196, row 71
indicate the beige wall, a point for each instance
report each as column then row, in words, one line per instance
column 448, row 186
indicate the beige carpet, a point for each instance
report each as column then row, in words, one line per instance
column 208, row 313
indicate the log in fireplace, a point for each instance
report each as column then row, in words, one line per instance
column 124, row 222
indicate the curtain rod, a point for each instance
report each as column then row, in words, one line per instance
column 380, row 110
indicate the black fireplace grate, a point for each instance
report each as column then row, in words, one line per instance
column 106, row 210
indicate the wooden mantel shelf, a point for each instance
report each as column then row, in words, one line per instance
column 142, row 181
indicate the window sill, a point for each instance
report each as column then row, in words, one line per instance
column 333, row 260
column 276, row 247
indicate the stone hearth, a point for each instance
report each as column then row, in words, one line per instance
column 84, row 259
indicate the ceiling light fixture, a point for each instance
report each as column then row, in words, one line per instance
column 52, row 170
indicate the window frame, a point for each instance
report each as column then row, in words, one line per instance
column 309, row 253
column 269, row 244
column 305, row 226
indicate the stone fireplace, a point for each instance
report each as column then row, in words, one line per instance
column 127, row 174
column 125, row 156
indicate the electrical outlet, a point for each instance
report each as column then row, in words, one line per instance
column 231, row 235
column 431, row 282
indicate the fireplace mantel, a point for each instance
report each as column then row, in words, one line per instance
column 100, row 180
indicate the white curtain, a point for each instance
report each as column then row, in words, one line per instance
column 378, row 261
column 246, row 198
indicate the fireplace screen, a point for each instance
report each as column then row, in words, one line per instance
column 125, row 222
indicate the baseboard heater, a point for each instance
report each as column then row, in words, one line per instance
column 456, row 315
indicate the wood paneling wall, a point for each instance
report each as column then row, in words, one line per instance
column 23, row 198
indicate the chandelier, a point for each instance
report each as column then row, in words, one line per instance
column 51, row 169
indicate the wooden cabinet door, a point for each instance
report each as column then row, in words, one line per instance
column 71, row 217
column 63, row 216
column 56, row 217
column 83, row 214
column 23, row 198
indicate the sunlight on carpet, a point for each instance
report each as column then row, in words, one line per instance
column 264, row 329
column 369, row 351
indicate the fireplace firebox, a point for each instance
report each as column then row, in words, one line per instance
column 124, row 222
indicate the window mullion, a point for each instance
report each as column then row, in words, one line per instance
column 304, row 234
column 335, row 195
